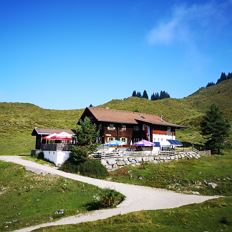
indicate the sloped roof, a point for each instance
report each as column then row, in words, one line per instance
column 48, row 131
column 128, row 117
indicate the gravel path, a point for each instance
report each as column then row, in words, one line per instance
column 137, row 197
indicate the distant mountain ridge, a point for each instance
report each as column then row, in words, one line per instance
column 18, row 119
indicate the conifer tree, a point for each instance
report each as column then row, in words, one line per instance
column 153, row 97
column 134, row 94
column 215, row 129
column 223, row 77
column 145, row 95
column 138, row 95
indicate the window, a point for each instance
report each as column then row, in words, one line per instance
column 110, row 139
column 169, row 131
column 123, row 128
column 111, row 127
column 123, row 139
column 136, row 140
column 136, row 128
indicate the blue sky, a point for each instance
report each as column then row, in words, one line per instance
column 68, row 54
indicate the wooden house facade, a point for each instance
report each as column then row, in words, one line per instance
column 129, row 126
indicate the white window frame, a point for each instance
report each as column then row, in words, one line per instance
column 123, row 128
column 123, row 139
column 111, row 127
column 109, row 139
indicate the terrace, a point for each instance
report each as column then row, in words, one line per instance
column 56, row 147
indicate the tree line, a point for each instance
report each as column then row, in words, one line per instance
column 154, row 96
column 223, row 77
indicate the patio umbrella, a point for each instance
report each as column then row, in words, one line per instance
column 64, row 135
column 115, row 143
column 143, row 143
column 50, row 137
column 60, row 136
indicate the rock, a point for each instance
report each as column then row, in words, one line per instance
column 111, row 161
column 133, row 161
column 109, row 167
column 114, row 166
column 103, row 162
column 145, row 159
column 140, row 177
column 127, row 162
column 212, row 185
column 59, row 212
column 120, row 163
column 195, row 193
column 138, row 159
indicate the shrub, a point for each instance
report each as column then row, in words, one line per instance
column 67, row 166
column 105, row 199
column 93, row 168
column 79, row 154
column 40, row 155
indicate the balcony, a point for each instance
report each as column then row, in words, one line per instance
column 56, row 147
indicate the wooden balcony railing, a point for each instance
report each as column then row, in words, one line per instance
column 56, row 147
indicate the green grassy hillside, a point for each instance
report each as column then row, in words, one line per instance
column 220, row 94
column 18, row 119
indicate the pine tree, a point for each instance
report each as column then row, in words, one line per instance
column 138, row 95
column 229, row 75
column 157, row 96
column 86, row 133
column 223, row 77
column 134, row 94
column 153, row 97
column 215, row 129
column 210, row 84
column 164, row 94
column 145, row 95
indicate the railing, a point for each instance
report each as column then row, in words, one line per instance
column 55, row 147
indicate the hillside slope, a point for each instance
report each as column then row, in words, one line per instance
column 18, row 119
column 179, row 110
column 220, row 94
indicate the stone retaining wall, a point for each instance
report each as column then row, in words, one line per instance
column 114, row 163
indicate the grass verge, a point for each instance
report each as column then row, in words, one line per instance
column 27, row 199
column 214, row 215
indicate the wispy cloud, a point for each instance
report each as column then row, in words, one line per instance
column 187, row 22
